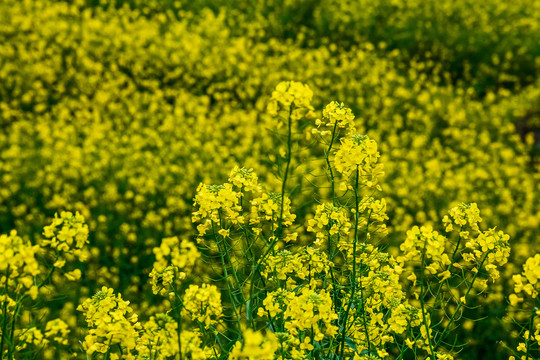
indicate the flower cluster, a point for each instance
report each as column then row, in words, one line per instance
column 255, row 346
column 175, row 259
column 330, row 223
column 378, row 294
column 307, row 264
column 307, row 315
column 112, row 324
column 525, row 299
column 57, row 330
column 244, row 179
column 67, row 235
column 463, row 215
column 215, row 204
column 30, row 336
column 489, row 250
column 268, row 209
column 311, row 310
column 426, row 247
column 527, row 282
column 358, row 154
column 203, row 304
column 336, row 117
column 293, row 97
column 18, row 265
column 372, row 217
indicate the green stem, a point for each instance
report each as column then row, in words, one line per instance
column 5, row 319
column 354, row 276
column 178, row 321
column 327, row 157
column 422, row 302
column 442, row 283
column 12, row 330
column 460, row 304
column 531, row 324
column 226, row 273
column 286, row 174
column 233, row 269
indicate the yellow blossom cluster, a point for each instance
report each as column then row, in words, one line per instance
column 244, row 179
column 336, row 117
column 255, row 346
column 58, row 331
column 527, row 281
column 216, row 203
column 307, row 264
column 490, row 249
column 159, row 340
column 463, row 215
column 268, row 208
column 311, row 310
column 203, row 304
column 111, row 322
column 175, row 259
column 330, row 223
column 428, row 247
column 67, row 235
column 18, row 265
column 308, row 315
column 524, row 299
column 292, row 97
column 358, row 154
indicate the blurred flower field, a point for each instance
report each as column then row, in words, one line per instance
column 283, row 179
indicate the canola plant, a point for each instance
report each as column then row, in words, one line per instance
column 274, row 180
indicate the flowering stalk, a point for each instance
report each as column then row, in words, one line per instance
column 354, row 275
column 529, row 342
column 4, row 315
column 226, row 273
column 460, row 304
column 422, row 300
column 286, row 174
column 330, row 170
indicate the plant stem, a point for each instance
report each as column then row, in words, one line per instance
column 354, row 276
column 4, row 317
column 286, row 174
column 327, row 157
column 422, row 302
column 226, row 273
column 443, row 334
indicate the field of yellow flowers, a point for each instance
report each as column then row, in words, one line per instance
column 278, row 179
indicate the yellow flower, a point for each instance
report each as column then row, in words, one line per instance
column 203, row 304
column 359, row 153
column 255, row 346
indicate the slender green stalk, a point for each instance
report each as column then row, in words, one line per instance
column 354, row 276
column 226, row 273
column 333, row 194
column 286, row 174
column 452, row 261
column 460, row 304
column 531, row 325
column 233, row 269
column 178, row 307
column 422, row 302
column 364, row 319
column 12, row 330
column 330, row 170
column 4, row 317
